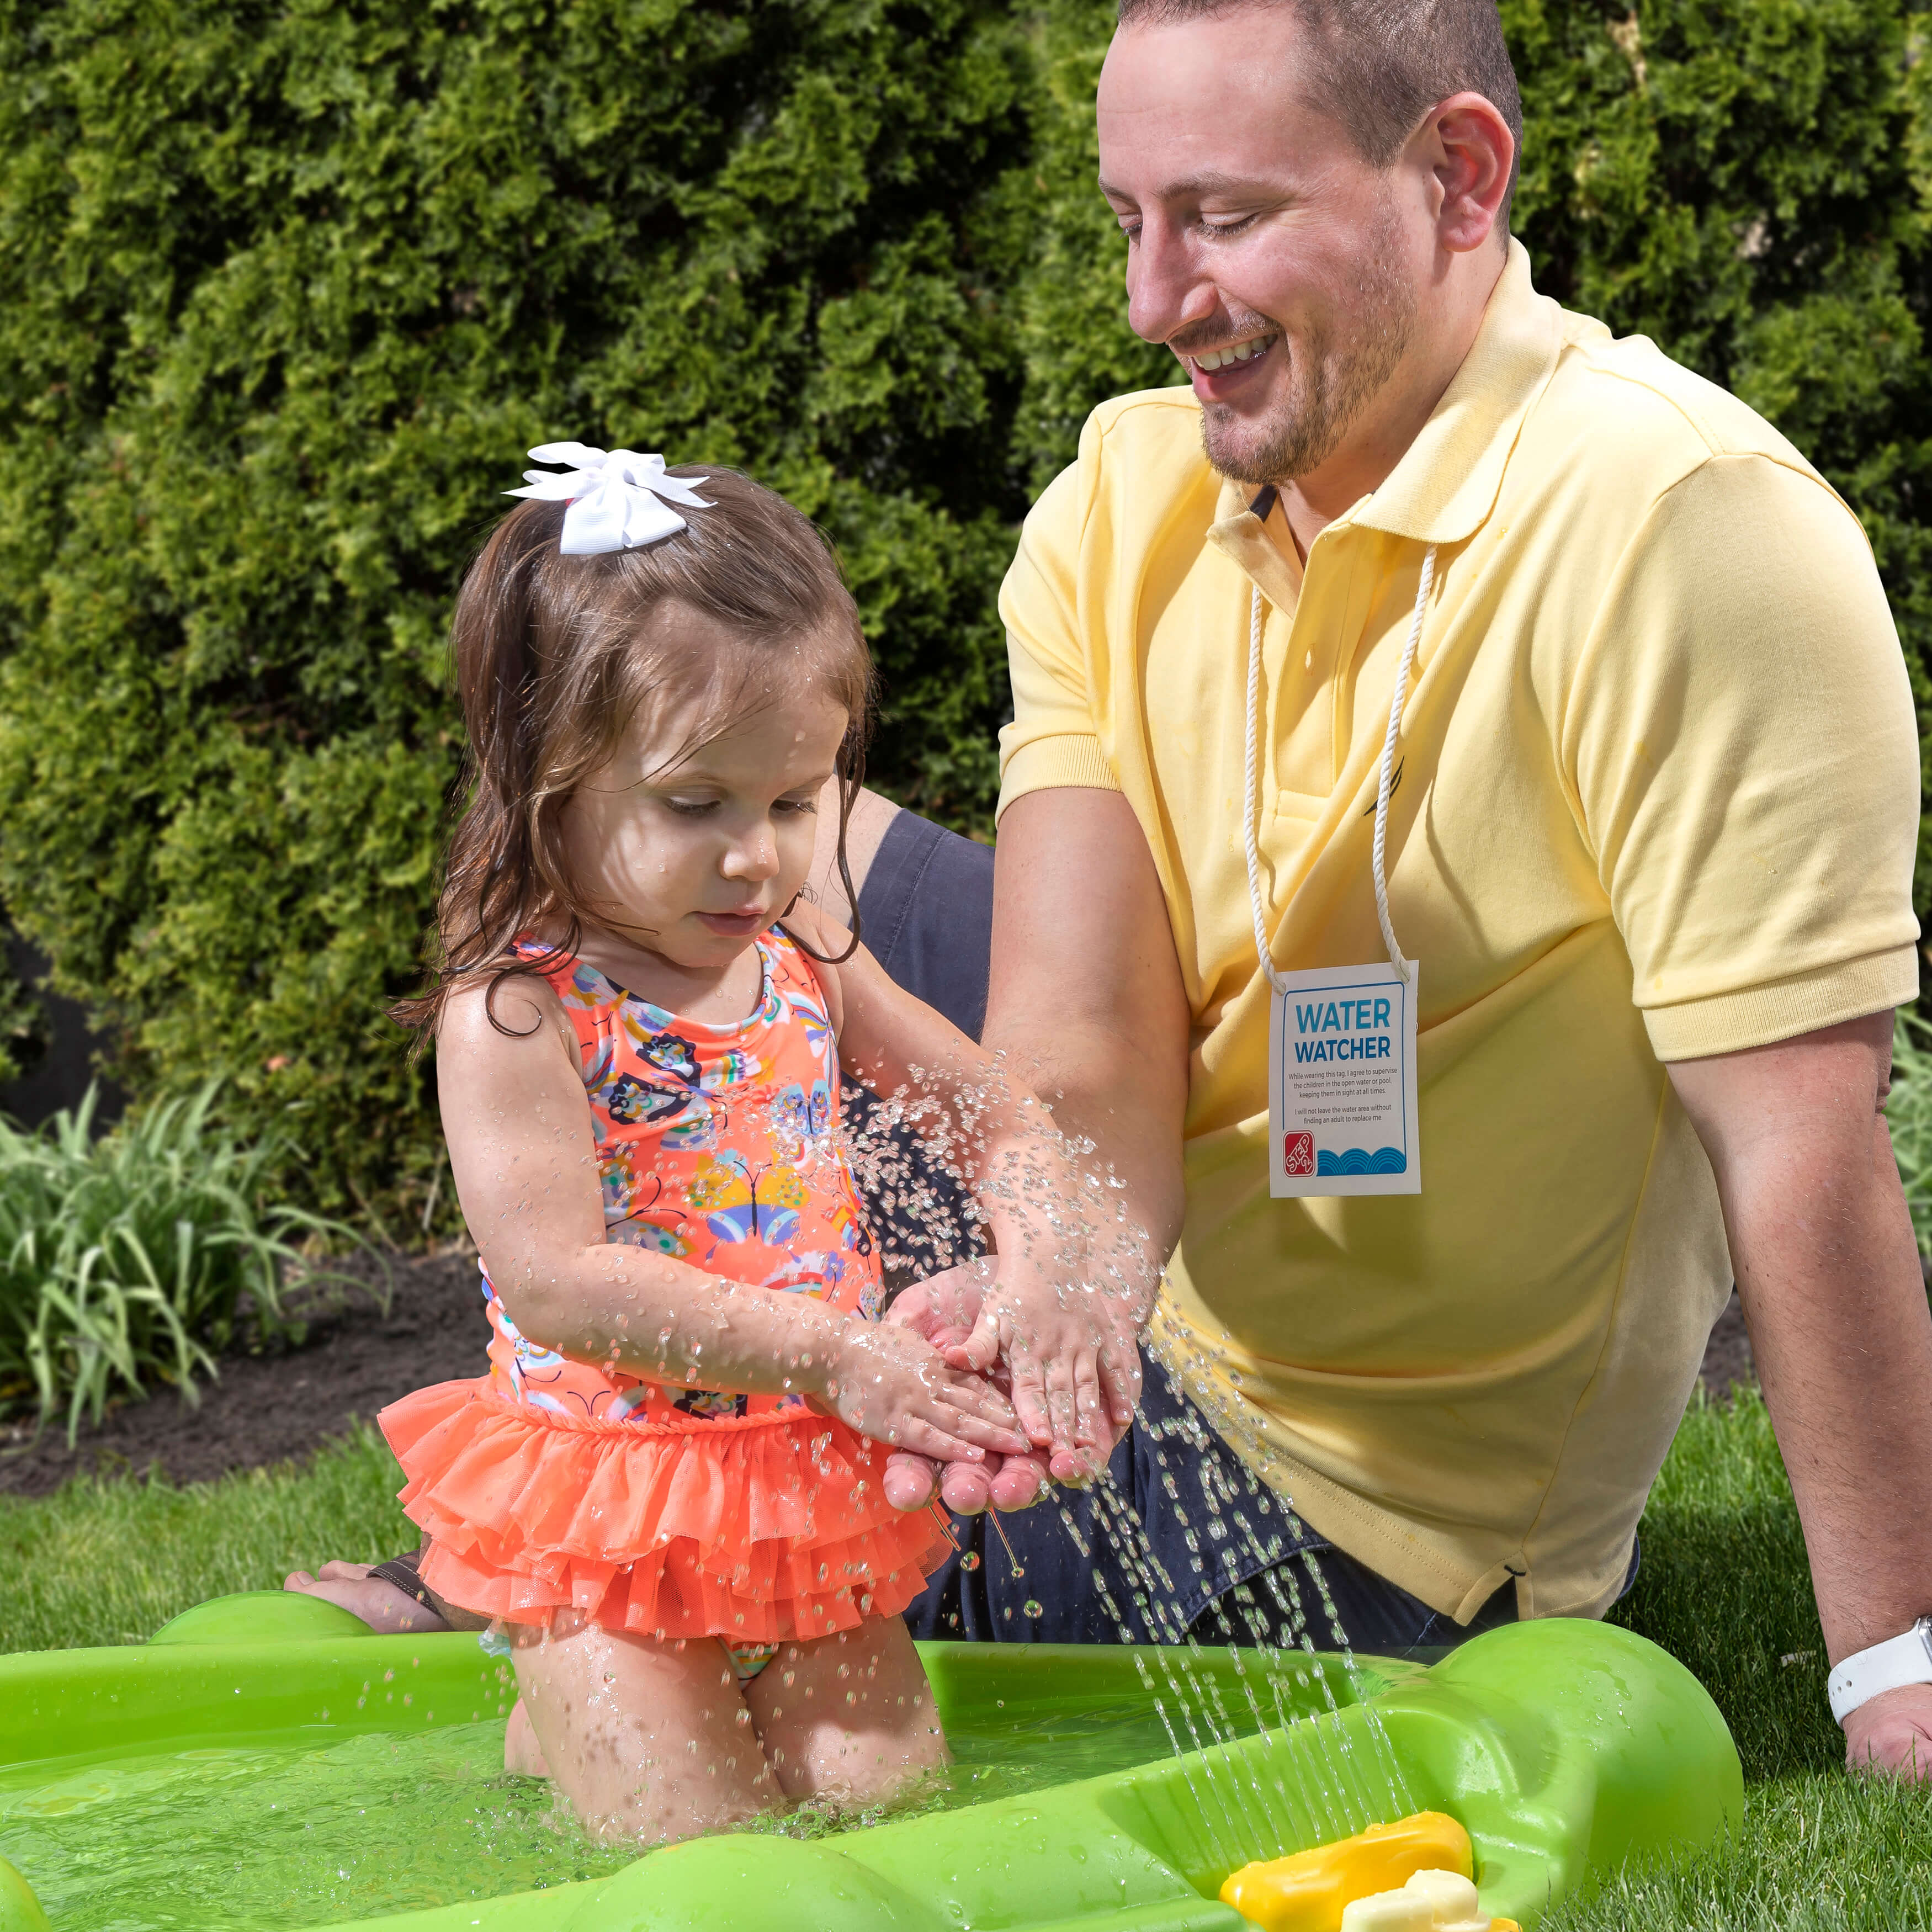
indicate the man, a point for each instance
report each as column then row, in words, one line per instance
column 1650, row 839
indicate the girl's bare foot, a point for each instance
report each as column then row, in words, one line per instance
column 387, row 1610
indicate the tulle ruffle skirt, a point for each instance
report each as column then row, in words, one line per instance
column 756, row 1529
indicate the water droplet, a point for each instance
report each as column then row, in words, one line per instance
column 1031, row 1606
column 970, row 1560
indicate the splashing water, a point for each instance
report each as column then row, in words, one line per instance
column 1318, row 1803
column 1018, row 1567
column 910, row 1152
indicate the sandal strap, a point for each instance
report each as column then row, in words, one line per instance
column 401, row 1572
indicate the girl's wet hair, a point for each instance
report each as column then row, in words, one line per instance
column 556, row 658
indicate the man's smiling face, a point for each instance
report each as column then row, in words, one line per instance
column 1281, row 267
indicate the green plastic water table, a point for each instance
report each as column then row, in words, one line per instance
column 1563, row 1746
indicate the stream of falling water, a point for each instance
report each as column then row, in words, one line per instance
column 1154, row 1599
column 1210, row 1407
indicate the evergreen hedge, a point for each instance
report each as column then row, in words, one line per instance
column 286, row 290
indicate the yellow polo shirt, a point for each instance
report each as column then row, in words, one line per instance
column 1658, row 799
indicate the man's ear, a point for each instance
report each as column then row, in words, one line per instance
column 1468, row 148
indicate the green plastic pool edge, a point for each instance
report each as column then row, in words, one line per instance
column 1564, row 1746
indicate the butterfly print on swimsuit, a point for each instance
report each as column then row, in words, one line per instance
column 634, row 1210
column 713, row 1404
column 818, row 1024
column 851, row 1228
column 637, row 1104
column 803, row 1116
column 694, row 1132
column 673, row 1054
column 716, row 1145
column 813, row 1273
column 741, row 1205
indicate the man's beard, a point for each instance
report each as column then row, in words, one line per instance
column 1333, row 374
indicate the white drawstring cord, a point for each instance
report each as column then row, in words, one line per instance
column 1404, row 968
column 1251, row 815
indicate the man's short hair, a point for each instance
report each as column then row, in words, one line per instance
column 1378, row 66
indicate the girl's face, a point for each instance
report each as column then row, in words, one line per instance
column 691, row 862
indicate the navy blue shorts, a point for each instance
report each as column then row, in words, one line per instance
column 926, row 914
column 1206, row 1551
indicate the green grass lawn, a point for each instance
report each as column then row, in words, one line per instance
column 1723, row 1586
column 110, row 1562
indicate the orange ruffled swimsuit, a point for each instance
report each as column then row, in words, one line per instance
column 676, row 1512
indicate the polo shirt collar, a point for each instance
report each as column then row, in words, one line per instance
column 1239, row 531
column 1447, row 480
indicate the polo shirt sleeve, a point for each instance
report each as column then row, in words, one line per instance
column 1054, row 739
column 1741, row 739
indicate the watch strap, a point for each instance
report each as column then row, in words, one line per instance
column 1899, row 1661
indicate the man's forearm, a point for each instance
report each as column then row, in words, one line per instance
column 1087, row 1007
column 1829, row 1275
column 1105, row 1098
column 1829, row 1278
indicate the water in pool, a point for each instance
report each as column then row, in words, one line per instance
column 258, row 1838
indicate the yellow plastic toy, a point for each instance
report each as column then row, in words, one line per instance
column 1309, row 1891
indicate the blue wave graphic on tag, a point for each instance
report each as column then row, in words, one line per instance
column 1355, row 1160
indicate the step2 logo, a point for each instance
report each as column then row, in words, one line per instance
column 1297, row 1153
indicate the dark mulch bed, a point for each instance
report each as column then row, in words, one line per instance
column 268, row 1409
column 1727, row 1355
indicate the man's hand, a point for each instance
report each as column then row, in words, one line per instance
column 1893, row 1732
column 1087, row 1007
column 1074, row 1374
column 1828, row 1272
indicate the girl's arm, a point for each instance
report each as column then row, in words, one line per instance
column 523, row 1153
column 1059, row 1233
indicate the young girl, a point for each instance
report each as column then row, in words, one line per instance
column 671, row 1489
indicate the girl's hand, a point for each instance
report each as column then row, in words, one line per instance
column 892, row 1385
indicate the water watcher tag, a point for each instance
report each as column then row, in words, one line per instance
column 1342, row 1114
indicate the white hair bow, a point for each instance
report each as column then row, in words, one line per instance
column 619, row 500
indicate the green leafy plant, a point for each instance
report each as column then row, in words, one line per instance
column 138, row 1256
column 286, row 292
column 23, row 1025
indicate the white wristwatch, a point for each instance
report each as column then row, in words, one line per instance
column 1885, row 1666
